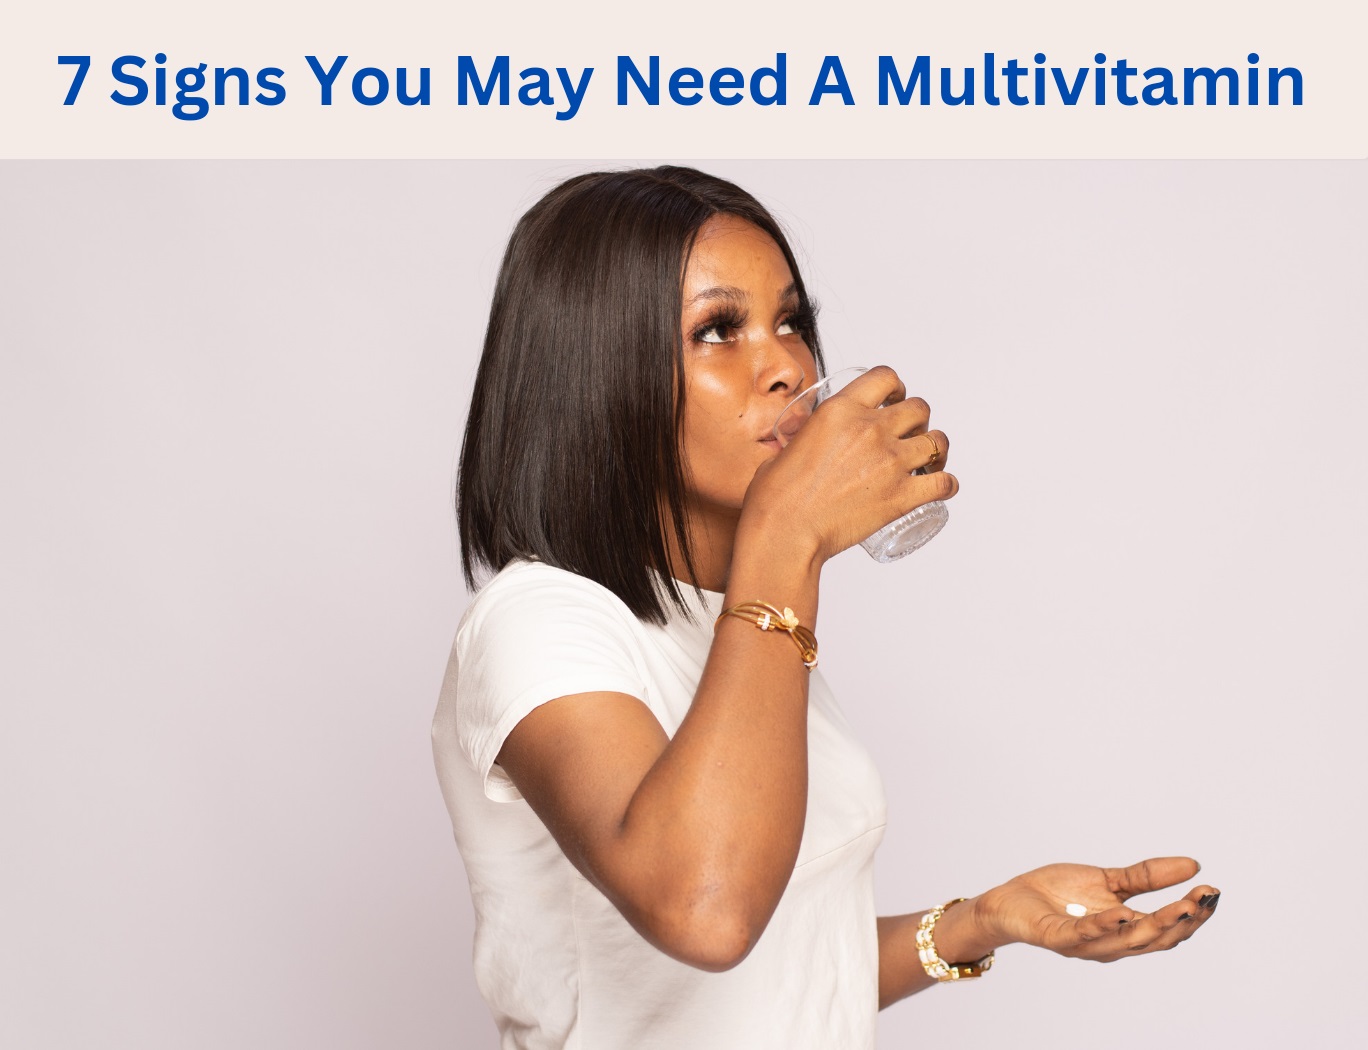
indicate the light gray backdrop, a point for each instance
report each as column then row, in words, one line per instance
column 231, row 399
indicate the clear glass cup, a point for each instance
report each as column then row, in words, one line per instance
column 898, row 538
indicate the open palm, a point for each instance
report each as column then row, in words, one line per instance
column 1034, row 908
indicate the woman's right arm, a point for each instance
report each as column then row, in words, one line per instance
column 694, row 838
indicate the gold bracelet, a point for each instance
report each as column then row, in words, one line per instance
column 768, row 618
column 934, row 965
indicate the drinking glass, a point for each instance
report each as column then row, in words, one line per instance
column 898, row 538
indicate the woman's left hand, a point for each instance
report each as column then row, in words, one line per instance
column 1035, row 908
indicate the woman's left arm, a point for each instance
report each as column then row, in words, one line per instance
column 1035, row 908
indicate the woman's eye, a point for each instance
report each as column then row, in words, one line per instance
column 787, row 327
column 715, row 333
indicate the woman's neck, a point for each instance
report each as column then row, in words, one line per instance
column 712, row 538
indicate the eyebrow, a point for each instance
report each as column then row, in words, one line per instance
column 731, row 294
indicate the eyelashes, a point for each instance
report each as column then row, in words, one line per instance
column 720, row 325
column 803, row 320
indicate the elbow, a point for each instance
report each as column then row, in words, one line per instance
column 710, row 932
column 707, row 911
column 716, row 946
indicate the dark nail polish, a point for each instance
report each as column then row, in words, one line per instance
column 1207, row 900
column 1214, row 901
column 1185, row 917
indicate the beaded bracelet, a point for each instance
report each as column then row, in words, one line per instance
column 768, row 618
column 931, row 961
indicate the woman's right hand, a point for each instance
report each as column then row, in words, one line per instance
column 849, row 470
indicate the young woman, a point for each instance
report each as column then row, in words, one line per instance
column 668, row 828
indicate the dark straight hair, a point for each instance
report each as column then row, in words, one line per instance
column 571, row 452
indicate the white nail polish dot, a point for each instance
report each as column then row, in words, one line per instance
column 1076, row 910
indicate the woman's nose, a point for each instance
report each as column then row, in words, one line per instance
column 781, row 371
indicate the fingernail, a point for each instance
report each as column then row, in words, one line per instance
column 1215, row 900
column 1185, row 917
column 1208, row 900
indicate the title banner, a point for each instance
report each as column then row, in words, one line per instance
column 854, row 79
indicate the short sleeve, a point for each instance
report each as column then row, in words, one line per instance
column 532, row 634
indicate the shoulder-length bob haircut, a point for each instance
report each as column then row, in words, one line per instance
column 571, row 452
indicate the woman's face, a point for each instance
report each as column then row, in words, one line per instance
column 744, row 358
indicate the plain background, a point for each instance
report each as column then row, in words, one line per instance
column 232, row 399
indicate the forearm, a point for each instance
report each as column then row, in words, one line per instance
column 960, row 937
column 720, row 813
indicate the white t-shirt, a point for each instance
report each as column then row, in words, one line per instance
column 557, row 963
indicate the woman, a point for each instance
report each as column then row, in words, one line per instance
column 668, row 828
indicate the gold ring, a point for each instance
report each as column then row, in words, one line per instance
column 935, row 450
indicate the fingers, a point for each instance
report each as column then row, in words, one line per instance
column 906, row 416
column 920, row 448
column 879, row 386
column 887, row 433
column 925, row 452
column 1118, row 936
column 1096, row 936
column 917, row 449
column 1105, row 923
column 1171, row 925
column 926, row 488
column 1153, row 874
column 940, row 448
